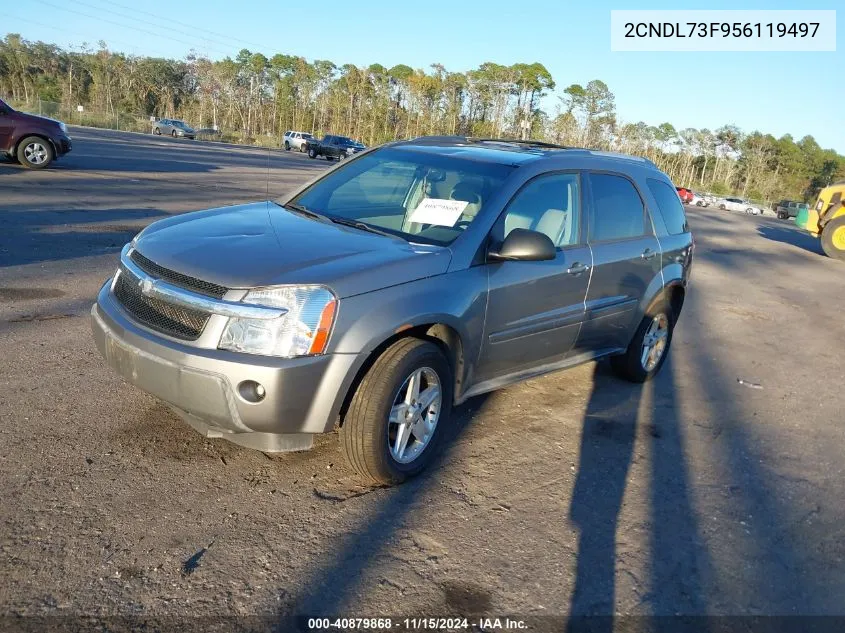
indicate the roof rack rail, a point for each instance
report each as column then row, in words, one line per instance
column 438, row 138
column 516, row 141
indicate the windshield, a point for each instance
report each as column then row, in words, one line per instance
column 344, row 140
column 307, row 135
column 179, row 123
column 420, row 196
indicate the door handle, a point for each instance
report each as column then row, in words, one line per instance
column 648, row 254
column 577, row 269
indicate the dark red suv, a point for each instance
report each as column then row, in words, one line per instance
column 34, row 141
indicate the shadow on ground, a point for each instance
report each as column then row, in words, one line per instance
column 793, row 237
column 50, row 235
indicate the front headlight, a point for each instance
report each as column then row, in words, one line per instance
column 302, row 331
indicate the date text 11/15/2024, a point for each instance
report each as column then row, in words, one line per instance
column 416, row 624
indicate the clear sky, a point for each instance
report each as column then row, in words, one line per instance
column 778, row 93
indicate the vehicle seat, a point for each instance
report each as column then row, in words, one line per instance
column 533, row 212
column 467, row 192
column 554, row 223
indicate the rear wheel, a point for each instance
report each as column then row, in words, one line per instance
column 722, row 207
column 648, row 349
column 396, row 418
column 173, row 134
column 157, row 132
column 833, row 238
column 287, row 146
column 35, row 153
column 302, row 147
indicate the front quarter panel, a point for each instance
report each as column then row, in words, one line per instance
column 456, row 299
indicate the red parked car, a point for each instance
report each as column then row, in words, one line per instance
column 33, row 141
column 684, row 194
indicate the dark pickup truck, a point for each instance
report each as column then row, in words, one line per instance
column 33, row 141
column 333, row 147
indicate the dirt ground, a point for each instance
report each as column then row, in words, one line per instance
column 574, row 493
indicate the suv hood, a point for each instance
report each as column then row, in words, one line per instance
column 263, row 244
column 37, row 118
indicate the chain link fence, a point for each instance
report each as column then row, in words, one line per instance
column 90, row 116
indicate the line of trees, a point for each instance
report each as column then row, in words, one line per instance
column 258, row 96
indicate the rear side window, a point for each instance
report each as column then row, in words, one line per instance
column 617, row 212
column 670, row 206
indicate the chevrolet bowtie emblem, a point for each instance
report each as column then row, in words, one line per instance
column 146, row 286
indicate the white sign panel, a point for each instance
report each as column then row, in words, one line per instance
column 438, row 211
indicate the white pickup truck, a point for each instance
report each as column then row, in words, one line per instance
column 296, row 140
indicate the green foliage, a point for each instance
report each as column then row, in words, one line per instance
column 254, row 98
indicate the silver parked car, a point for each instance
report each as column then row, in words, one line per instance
column 395, row 286
column 173, row 127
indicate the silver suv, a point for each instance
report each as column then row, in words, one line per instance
column 394, row 287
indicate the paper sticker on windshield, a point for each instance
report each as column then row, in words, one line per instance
column 438, row 211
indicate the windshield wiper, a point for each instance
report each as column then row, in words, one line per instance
column 308, row 213
column 364, row 227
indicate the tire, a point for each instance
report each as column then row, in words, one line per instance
column 287, row 146
column 365, row 435
column 722, row 207
column 833, row 238
column 302, row 148
column 35, row 153
column 630, row 365
column 329, row 158
column 312, row 153
column 173, row 134
column 750, row 211
column 157, row 132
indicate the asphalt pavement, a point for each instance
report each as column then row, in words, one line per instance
column 715, row 489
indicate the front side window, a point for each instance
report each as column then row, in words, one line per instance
column 617, row 212
column 550, row 205
column 669, row 205
column 421, row 196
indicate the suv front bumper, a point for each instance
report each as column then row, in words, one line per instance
column 303, row 395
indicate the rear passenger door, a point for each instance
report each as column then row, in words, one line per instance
column 626, row 257
column 535, row 309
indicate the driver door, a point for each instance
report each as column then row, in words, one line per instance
column 535, row 308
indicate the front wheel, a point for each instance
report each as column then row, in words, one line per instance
column 173, row 134
column 833, row 238
column 722, row 207
column 312, row 153
column 157, row 132
column 287, row 146
column 35, row 153
column 648, row 349
column 397, row 416
column 302, row 147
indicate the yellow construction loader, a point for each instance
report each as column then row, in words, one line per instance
column 827, row 220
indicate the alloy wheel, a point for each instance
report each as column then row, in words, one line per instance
column 414, row 415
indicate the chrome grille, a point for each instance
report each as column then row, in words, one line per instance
column 178, row 279
column 175, row 321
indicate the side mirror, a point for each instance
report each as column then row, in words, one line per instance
column 523, row 245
